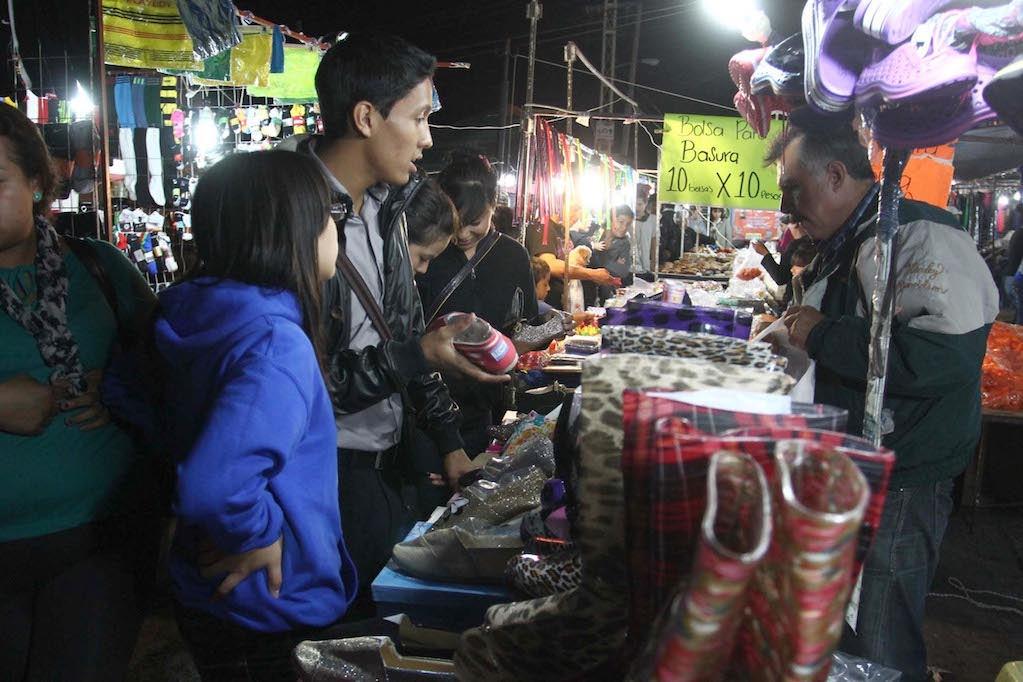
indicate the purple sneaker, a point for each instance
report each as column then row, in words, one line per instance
column 835, row 54
column 929, row 124
column 933, row 64
column 895, row 20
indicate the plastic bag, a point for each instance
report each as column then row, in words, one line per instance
column 211, row 25
column 1002, row 372
column 846, row 668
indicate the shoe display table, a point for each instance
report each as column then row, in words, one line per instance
column 443, row 605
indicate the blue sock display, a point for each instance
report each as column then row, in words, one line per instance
column 122, row 102
column 138, row 102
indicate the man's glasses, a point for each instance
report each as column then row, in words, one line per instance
column 341, row 210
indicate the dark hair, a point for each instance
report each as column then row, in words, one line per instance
column 471, row 184
column 626, row 210
column 803, row 253
column 504, row 220
column 372, row 67
column 257, row 218
column 430, row 215
column 29, row 153
column 540, row 269
column 821, row 146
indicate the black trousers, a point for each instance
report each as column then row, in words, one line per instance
column 226, row 652
column 68, row 606
column 377, row 511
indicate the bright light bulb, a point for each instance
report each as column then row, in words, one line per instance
column 592, row 190
column 205, row 135
column 731, row 12
column 81, row 104
column 558, row 184
column 1015, row 196
column 508, row 181
column 1003, row 200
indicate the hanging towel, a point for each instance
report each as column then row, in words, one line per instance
column 296, row 84
column 277, row 51
column 146, row 34
column 248, row 63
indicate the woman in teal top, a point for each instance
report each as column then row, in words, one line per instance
column 67, row 605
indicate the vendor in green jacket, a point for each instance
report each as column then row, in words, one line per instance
column 945, row 303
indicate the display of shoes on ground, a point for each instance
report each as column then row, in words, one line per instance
column 537, row 450
column 472, row 552
column 671, row 343
column 569, row 634
column 362, row 659
column 541, row 575
column 924, row 66
column 487, row 503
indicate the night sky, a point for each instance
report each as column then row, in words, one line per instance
column 682, row 50
column 690, row 47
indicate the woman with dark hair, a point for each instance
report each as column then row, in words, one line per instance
column 258, row 560
column 432, row 222
column 67, row 600
column 482, row 272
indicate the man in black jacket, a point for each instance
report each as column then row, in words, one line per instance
column 376, row 94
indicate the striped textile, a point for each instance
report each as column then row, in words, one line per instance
column 146, row 34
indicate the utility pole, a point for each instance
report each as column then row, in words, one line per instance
column 533, row 13
column 638, row 15
column 502, row 139
column 607, row 56
column 570, row 60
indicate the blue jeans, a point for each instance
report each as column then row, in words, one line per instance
column 897, row 576
column 1017, row 285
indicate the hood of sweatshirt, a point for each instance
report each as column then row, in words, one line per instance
column 205, row 313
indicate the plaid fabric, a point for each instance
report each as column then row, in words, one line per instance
column 666, row 462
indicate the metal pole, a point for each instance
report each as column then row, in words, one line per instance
column 533, row 13
column 632, row 78
column 570, row 60
column 104, row 114
column 875, row 420
column 502, row 138
column 610, row 40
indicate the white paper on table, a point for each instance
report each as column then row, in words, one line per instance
column 852, row 613
column 732, row 401
column 800, row 367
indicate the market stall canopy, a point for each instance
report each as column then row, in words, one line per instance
column 986, row 151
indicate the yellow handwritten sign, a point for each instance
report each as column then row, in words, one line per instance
column 716, row 161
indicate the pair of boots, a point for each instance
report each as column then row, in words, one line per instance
column 772, row 572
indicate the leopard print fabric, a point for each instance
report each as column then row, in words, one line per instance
column 541, row 576
column 670, row 343
column 562, row 636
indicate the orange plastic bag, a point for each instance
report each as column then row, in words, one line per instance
column 1002, row 372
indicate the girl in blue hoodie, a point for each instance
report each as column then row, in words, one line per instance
column 258, row 560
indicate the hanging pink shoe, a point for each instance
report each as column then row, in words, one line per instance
column 758, row 117
column 742, row 65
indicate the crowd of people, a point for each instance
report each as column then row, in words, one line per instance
column 310, row 418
